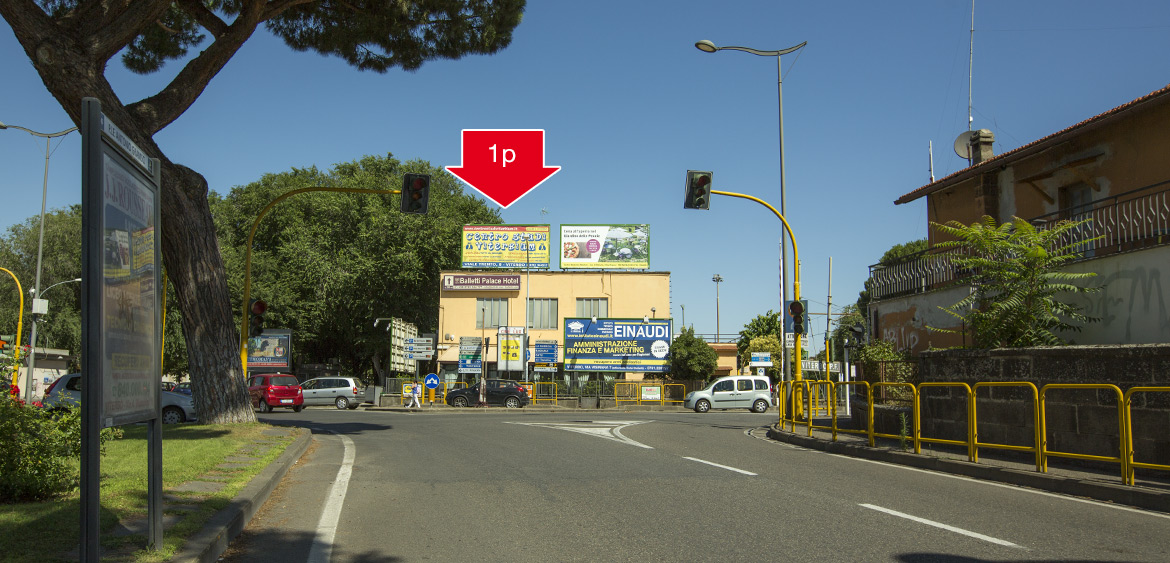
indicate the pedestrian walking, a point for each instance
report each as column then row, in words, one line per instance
column 415, row 393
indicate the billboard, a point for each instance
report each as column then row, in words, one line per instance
column 505, row 246
column 638, row 345
column 615, row 247
column 271, row 351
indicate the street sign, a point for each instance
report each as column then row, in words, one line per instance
column 420, row 355
column 817, row 365
column 427, row 341
column 545, row 366
column 419, row 348
column 470, row 366
column 546, row 352
column 431, row 381
column 761, row 359
column 790, row 341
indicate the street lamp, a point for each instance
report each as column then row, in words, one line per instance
column 709, row 47
column 717, row 278
column 41, row 242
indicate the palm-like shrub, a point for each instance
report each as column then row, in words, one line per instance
column 1016, row 281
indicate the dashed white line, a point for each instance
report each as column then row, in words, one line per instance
column 942, row 526
column 322, row 548
column 727, row 467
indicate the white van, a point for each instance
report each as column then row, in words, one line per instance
column 752, row 392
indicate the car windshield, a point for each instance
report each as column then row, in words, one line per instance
column 283, row 380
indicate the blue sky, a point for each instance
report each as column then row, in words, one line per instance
column 629, row 104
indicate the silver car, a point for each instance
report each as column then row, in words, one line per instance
column 341, row 392
column 175, row 407
column 752, row 392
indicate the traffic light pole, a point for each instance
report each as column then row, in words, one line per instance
column 19, row 328
column 246, row 302
column 797, row 375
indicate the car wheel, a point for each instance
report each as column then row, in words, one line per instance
column 512, row 402
column 703, row 405
column 342, row 403
column 459, row 402
column 353, row 406
column 265, row 406
column 760, row 406
column 172, row 415
column 298, row 408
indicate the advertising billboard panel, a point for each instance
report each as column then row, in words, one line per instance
column 636, row 345
column 614, row 247
column 505, row 246
column 270, row 352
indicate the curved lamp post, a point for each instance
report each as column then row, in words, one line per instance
column 709, row 47
column 41, row 242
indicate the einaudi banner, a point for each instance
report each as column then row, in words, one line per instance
column 637, row 345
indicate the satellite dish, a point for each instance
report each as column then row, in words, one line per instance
column 963, row 144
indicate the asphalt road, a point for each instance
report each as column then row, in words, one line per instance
column 528, row 486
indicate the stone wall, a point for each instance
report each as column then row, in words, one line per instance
column 1077, row 421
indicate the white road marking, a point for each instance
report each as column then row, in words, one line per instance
column 942, row 526
column 322, row 548
column 608, row 429
column 727, row 467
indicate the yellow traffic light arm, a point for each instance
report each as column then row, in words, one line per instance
column 19, row 324
column 248, row 255
column 796, row 371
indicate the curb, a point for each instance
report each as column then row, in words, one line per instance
column 1139, row 497
column 206, row 545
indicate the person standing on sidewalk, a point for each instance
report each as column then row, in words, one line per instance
column 415, row 393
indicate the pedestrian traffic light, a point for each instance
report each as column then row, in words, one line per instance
column 416, row 193
column 256, row 310
column 698, row 195
column 796, row 310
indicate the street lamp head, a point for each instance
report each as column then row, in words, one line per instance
column 706, row 46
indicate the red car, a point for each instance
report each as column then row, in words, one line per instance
column 270, row 390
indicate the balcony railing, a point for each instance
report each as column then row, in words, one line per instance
column 1130, row 221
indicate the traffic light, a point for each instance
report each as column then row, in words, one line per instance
column 256, row 310
column 7, row 344
column 698, row 194
column 416, row 193
column 796, row 310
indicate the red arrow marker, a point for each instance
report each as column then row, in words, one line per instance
column 503, row 164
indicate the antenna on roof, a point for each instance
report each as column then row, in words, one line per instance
column 971, row 69
column 930, row 151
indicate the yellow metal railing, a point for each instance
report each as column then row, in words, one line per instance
column 913, row 434
column 788, row 396
column 918, row 439
column 536, row 395
column 1034, row 448
column 666, row 392
column 626, row 391
column 1045, row 453
column 1129, row 455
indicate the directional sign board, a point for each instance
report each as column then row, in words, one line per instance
column 817, row 365
column 418, row 348
column 470, row 366
column 761, row 359
column 420, row 355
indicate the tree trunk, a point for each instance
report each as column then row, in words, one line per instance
column 189, row 246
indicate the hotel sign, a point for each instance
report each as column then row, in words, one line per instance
column 481, row 282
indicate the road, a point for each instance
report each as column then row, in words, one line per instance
column 511, row 485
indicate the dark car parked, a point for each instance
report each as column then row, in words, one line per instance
column 498, row 392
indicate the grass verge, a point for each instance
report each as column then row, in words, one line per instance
column 48, row 531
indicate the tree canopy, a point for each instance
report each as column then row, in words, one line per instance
column 328, row 264
column 691, row 357
column 767, row 324
column 71, row 42
column 1016, row 282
